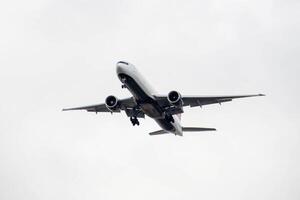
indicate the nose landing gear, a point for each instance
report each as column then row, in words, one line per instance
column 123, row 79
column 134, row 121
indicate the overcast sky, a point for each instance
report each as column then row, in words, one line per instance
column 63, row 53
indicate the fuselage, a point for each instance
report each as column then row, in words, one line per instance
column 144, row 96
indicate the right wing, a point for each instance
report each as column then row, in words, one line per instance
column 193, row 101
column 128, row 105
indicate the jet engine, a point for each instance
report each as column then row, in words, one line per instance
column 111, row 102
column 175, row 99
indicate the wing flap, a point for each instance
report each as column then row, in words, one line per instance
column 203, row 103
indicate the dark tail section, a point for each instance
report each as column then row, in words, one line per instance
column 160, row 132
column 184, row 129
column 196, row 129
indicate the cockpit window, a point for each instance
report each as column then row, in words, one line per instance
column 123, row 62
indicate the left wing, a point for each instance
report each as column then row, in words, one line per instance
column 128, row 105
column 193, row 101
column 92, row 108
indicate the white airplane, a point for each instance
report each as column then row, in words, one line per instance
column 166, row 110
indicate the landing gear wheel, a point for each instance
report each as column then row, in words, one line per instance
column 134, row 121
column 123, row 79
column 170, row 118
column 123, row 86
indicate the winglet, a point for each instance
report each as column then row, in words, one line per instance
column 67, row 109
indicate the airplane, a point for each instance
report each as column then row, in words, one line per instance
column 166, row 110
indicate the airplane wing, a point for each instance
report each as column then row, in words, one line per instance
column 127, row 105
column 91, row 108
column 193, row 101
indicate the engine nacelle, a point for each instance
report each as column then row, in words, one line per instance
column 175, row 99
column 112, row 103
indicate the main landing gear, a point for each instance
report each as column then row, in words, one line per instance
column 134, row 121
column 169, row 118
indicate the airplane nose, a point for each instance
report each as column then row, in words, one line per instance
column 123, row 62
column 122, row 67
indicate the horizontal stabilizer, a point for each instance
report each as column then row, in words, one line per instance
column 160, row 132
column 196, row 129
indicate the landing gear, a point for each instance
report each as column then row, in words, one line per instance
column 123, row 79
column 123, row 86
column 134, row 121
column 170, row 118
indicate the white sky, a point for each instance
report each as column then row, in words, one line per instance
column 56, row 54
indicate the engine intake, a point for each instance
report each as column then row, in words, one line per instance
column 175, row 99
column 111, row 102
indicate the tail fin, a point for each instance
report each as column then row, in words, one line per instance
column 196, row 129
